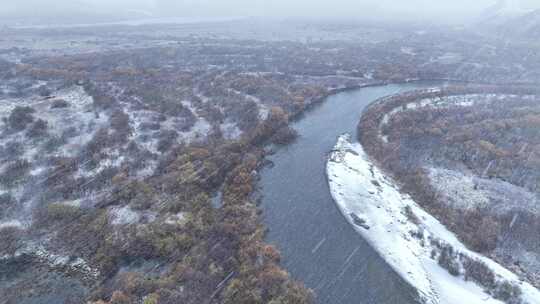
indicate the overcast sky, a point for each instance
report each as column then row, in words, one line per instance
column 405, row 9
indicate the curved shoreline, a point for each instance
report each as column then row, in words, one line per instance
column 407, row 237
column 303, row 219
column 317, row 246
column 368, row 130
column 297, row 116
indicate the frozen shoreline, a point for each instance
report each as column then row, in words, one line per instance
column 372, row 203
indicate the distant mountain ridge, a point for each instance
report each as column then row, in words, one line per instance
column 501, row 11
column 525, row 26
column 510, row 19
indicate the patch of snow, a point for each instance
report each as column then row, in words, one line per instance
column 373, row 204
column 200, row 129
column 113, row 160
column 450, row 58
column 408, row 51
column 230, row 130
column 56, row 260
column 72, row 203
column 12, row 224
column 124, row 215
column 147, row 170
column 451, row 289
column 179, row 219
column 217, row 200
column 459, row 187
column 263, row 112
column 37, row 170
column 465, row 191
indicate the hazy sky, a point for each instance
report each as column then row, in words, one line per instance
column 405, row 9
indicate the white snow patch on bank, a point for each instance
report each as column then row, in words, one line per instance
column 373, row 204
column 230, row 130
column 179, row 219
column 465, row 191
column 124, row 216
column 12, row 224
column 56, row 261
column 200, row 130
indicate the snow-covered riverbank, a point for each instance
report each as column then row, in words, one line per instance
column 417, row 246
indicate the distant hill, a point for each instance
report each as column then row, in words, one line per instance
column 501, row 12
column 509, row 19
column 525, row 26
column 34, row 12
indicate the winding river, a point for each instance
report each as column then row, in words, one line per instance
column 318, row 246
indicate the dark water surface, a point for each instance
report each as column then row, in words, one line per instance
column 318, row 246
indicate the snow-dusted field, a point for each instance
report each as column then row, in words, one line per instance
column 463, row 190
column 373, row 204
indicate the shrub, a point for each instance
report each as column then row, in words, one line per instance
column 37, row 129
column 62, row 212
column 102, row 179
column 238, row 293
column 479, row 272
column 119, row 297
column 70, row 132
column 100, row 98
column 271, row 254
column 53, row 143
column 481, row 230
column 12, row 150
column 152, row 298
column 271, row 280
column 59, row 104
column 144, row 198
column 297, row 294
column 136, row 285
column 14, row 173
column 448, row 260
column 99, row 141
column 284, row 136
column 120, row 123
column 6, row 200
column 19, row 118
column 509, row 293
column 166, row 140
column 10, row 238
column 44, row 91
column 152, row 126
column 411, row 216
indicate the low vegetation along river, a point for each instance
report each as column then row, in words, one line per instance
column 318, row 246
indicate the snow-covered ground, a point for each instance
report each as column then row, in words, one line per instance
column 77, row 115
column 76, row 119
column 70, row 264
column 126, row 216
column 465, row 191
column 373, row 204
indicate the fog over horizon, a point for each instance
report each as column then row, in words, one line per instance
column 418, row 10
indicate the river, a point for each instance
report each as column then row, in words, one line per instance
column 318, row 246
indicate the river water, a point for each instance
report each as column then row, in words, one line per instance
column 318, row 246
